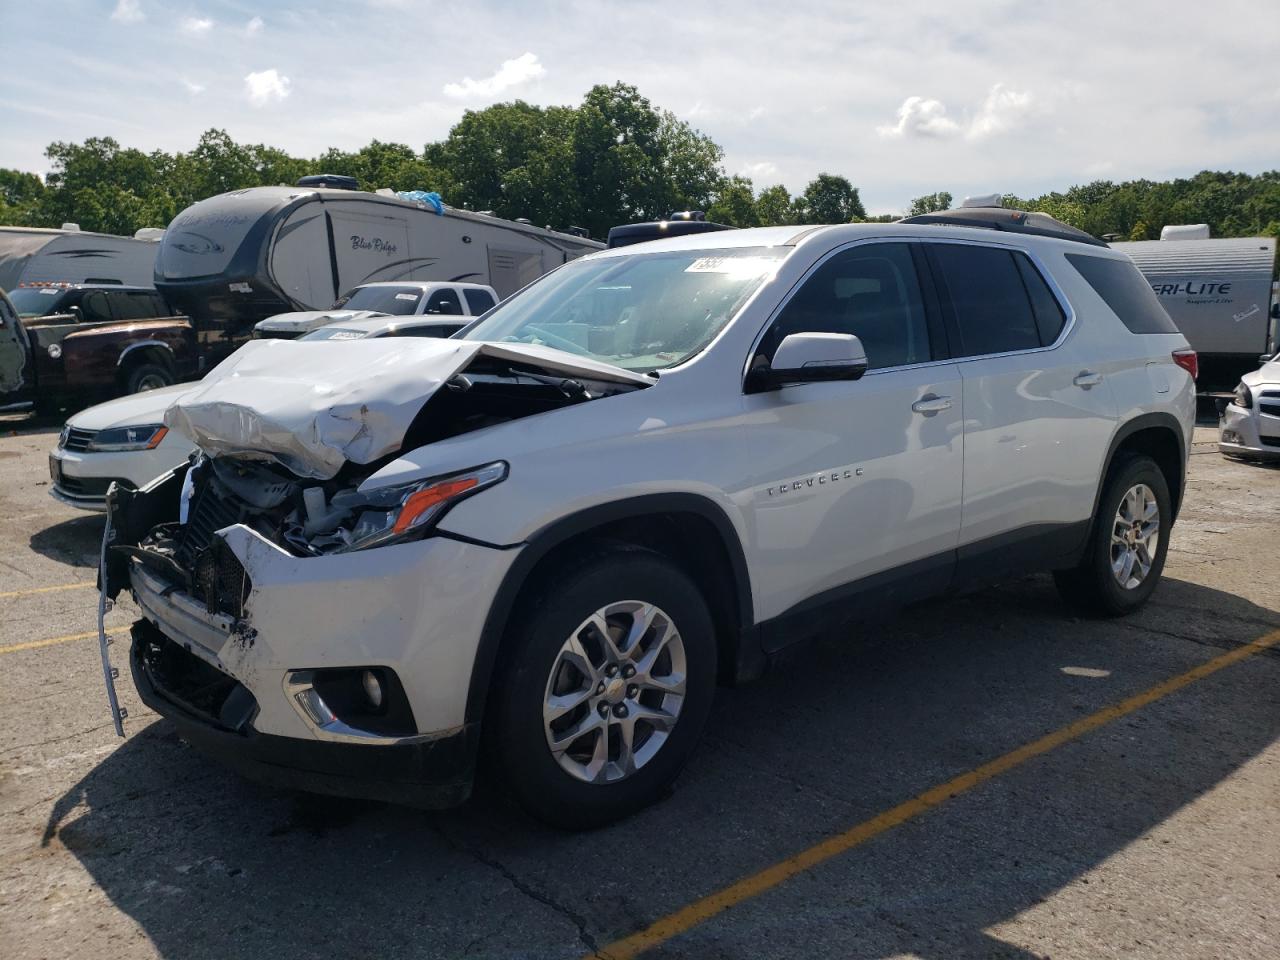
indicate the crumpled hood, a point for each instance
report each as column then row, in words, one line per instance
column 311, row 406
column 304, row 321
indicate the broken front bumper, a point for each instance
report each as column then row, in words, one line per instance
column 415, row 610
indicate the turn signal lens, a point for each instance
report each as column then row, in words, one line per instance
column 423, row 500
column 156, row 438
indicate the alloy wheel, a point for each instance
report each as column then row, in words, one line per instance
column 615, row 692
column 1135, row 536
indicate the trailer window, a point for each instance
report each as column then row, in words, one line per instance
column 1124, row 290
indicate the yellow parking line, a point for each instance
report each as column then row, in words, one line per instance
column 700, row 911
column 33, row 590
column 37, row 644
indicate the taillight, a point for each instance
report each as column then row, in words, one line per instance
column 1188, row 361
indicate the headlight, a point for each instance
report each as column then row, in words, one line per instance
column 116, row 439
column 407, row 512
column 1244, row 397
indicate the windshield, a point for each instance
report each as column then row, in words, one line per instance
column 335, row 333
column 35, row 301
column 641, row 312
column 402, row 301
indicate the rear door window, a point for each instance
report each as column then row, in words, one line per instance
column 478, row 301
column 871, row 291
column 986, row 291
column 1120, row 284
column 130, row 305
column 95, row 308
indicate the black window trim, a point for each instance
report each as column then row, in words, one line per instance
column 953, row 326
column 940, row 337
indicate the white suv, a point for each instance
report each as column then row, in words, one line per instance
column 655, row 467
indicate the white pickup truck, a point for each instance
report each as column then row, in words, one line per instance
column 400, row 298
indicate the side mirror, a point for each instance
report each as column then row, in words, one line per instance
column 1275, row 310
column 76, row 312
column 813, row 358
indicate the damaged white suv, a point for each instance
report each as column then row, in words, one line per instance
column 647, row 471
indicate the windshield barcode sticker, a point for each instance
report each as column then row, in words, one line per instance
column 406, row 296
column 738, row 266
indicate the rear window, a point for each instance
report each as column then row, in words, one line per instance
column 1125, row 291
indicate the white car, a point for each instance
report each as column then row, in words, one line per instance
column 654, row 467
column 126, row 440
column 122, row 440
column 1250, row 427
column 400, row 298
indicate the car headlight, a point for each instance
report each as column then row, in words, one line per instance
column 409, row 511
column 1244, row 396
column 116, row 439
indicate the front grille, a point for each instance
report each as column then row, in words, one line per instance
column 184, row 679
column 1270, row 441
column 78, row 439
column 220, row 580
column 207, row 514
column 1271, row 408
column 87, row 486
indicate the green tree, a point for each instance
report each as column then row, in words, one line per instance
column 930, row 203
column 830, row 199
column 774, row 206
column 734, row 204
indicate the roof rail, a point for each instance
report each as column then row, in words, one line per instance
column 1010, row 221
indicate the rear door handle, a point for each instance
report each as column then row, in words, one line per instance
column 1087, row 378
column 931, row 403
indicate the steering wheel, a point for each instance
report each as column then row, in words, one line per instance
column 560, row 343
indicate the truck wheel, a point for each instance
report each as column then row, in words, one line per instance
column 607, row 684
column 147, row 376
column 1127, row 547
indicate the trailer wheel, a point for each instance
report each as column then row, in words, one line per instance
column 147, row 376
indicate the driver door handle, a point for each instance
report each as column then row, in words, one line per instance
column 931, row 403
column 1087, row 378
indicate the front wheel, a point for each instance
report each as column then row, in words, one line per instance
column 609, row 683
column 1130, row 537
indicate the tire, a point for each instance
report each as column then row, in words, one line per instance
column 536, row 664
column 147, row 376
column 1094, row 587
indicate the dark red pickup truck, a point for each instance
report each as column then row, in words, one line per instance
column 86, row 342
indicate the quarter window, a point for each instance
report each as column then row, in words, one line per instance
column 1129, row 296
column 871, row 291
column 987, row 291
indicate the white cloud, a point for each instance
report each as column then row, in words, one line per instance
column 757, row 171
column 192, row 87
column 196, row 25
column 253, row 27
column 1001, row 111
column 921, row 117
column 266, row 86
column 128, row 11
column 512, row 73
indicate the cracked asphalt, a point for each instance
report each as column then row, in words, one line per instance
column 1157, row 835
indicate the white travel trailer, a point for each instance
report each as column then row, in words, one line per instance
column 240, row 257
column 1217, row 292
column 37, row 255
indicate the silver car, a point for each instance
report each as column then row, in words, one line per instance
column 1250, row 426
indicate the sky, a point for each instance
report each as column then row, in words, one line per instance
column 902, row 97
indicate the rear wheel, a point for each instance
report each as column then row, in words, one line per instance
column 1130, row 537
column 609, row 682
column 147, row 376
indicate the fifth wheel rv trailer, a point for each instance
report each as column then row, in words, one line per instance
column 240, row 257
column 1218, row 293
column 31, row 255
